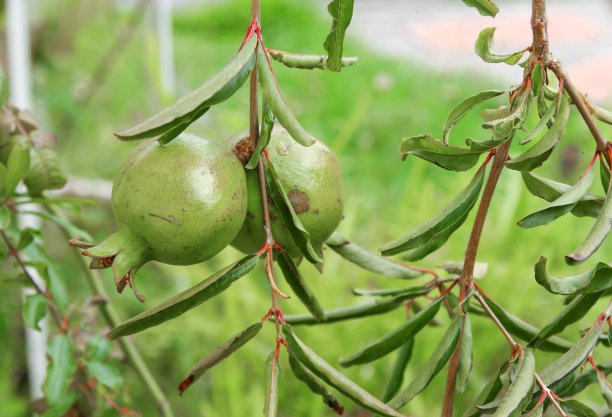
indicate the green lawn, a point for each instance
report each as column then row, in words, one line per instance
column 361, row 113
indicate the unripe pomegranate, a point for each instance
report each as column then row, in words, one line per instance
column 179, row 203
column 311, row 178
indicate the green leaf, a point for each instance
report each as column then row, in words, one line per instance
column 399, row 368
column 314, row 385
column 541, row 151
column 597, row 279
column 186, row 300
column 573, row 312
column 464, row 107
column 606, row 389
column 309, row 62
column 171, row 121
column 396, row 339
column 274, row 98
column 484, row 47
column 445, row 218
column 541, row 125
column 586, row 378
column 484, row 7
column 604, row 176
column 369, row 260
column 517, row 396
column 97, row 348
column 16, row 167
column 596, row 236
column 63, row 406
column 265, row 134
column 465, row 356
column 34, row 310
column 434, row 364
column 219, row 354
column 508, row 119
column 272, row 379
column 526, row 331
column 298, row 232
column 487, row 394
column 5, row 217
column 298, row 285
column 348, row 313
column 412, row 292
column 549, row 190
column 452, row 158
column 572, row 359
column 61, row 223
column 62, row 366
column 562, row 205
column 106, row 374
column 598, row 112
column 332, row 377
column 2, row 179
column 57, row 288
column 341, row 12
column 45, row 172
column 436, row 241
column 578, row 409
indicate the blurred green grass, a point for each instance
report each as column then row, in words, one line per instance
column 361, row 113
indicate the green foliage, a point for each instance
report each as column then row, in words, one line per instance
column 341, row 12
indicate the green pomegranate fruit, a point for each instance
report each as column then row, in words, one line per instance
column 179, row 203
column 311, row 178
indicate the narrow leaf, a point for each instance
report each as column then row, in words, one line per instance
column 298, row 232
column 298, row 285
column 449, row 157
column 314, row 385
column 395, row 339
column 487, row 394
column 186, row 300
column 34, row 310
column 526, row 331
column 598, row 112
column 105, row 374
column 517, row 396
column 562, row 205
column 597, row 279
column 413, row 292
column 586, row 378
column 171, row 121
column 272, row 379
column 573, row 312
column 606, row 389
column 541, row 151
column 542, row 124
column 309, row 62
column 484, row 49
column 464, row 107
column 578, row 409
column 5, row 217
column 369, row 260
column 434, row 364
column 348, row 313
column 264, row 136
column 273, row 96
column 465, row 356
column 341, row 12
column 596, row 236
column 484, row 7
column 62, row 366
column 61, row 223
column 332, row 377
column 448, row 216
column 219, row 354
column 399, row 368
column 572, row 359
column 549, row 190
column 604, row 176
column 17, row 166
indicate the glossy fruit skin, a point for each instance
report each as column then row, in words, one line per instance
column 185, row 200
column 312, row 180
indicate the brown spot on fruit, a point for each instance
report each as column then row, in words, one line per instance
column 244, row 150
column 299, row 201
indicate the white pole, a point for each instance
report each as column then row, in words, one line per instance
column 163, row 27
column 20, row 86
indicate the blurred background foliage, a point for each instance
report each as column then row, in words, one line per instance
column 361, row 113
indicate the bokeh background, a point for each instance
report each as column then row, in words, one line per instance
column 95, row 70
